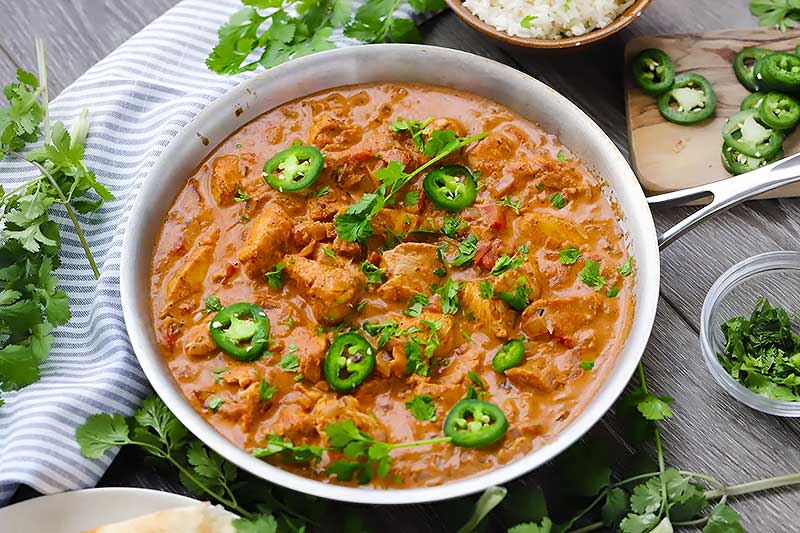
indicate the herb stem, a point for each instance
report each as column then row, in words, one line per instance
column 659, row 447
column 591, row 527
column 42, row 65
column 70, row 212
column 419, row 443
column 755, row 486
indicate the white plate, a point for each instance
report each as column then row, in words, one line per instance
column 73, row 512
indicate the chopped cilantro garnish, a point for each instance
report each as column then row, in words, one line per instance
column 383, row 330
column 612, row 292
column 241, row 196
column 506, row 262
column 275, row 276
column 415, row 305
column 466, row 251
column 411, row 198
column 485, row 289
column 626, row 269
column 330, row 252
column 519, row 298
column 586, row 365
column 290, row 362
column 512, row 203
column 590, row 275
column 373, row 273
column 569, row 256
column 211, row 304
column 558, row 200
column 562, row 157
column 265, row 391
column 214, row 402
column 451, row 225
column 422, row 407
column 449, row 296
column 527, row 21
column 321, row 192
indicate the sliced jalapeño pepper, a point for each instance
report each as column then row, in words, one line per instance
column 779, row 111
column 475, row 424
column 752, row 101
column 690, row 100
column 743, row 66
column 777, row 72
column 653, row 71
column 746, row 134
column 509, row 355
column 241, row 331
column 451, row 187
column 737, row 163
column 293, row 169
column 349, row 362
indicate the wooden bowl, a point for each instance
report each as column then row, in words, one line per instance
column 628, row 16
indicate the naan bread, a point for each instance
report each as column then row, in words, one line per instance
column 200, row 518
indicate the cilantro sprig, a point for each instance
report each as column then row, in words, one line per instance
column 267, row 33
column 354, row 225
column 31, row 304
column 156, row 431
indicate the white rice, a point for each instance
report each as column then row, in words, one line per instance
column 548, row 19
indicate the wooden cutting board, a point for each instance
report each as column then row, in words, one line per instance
column 667, row 156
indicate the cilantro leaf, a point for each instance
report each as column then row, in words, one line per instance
column 723, row 519
column 375, row 21
column 520, row 297
column 422, row 407
column 415, row 128
column 383, row 330
column 275, row 276
column 265, row 391
column 506, row 262
column 569, row 256
column 782, row 14
column 289, row 363
column 211, row 304
column 415, row 363
column 486, row 290
column 373, row 273
column 558, row 200
column 626, row 269
column 238, row 38
column 490, row 499
column 545, row 526
column 257, row 524
column 154, row 414
column 466, row 251
column 512, row 203
column 101, row 433
column 451, row 225
column 590, row 275
column 448, row 294
column 415, row 305
column 615, row 507
column 423, row 6
column 655, row 407
column 638, row 523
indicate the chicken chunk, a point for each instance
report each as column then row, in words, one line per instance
column 310, row 354
column 409, row 268
column 333, row 135
column 565, row 317
column 491, row 314
column 538, row 373
column 491, row 154
column 187, row 282
column 336, row 409
column 552, row 231
column 226, row 177
column 267, row 241
column 332, row 291
column 304, row 233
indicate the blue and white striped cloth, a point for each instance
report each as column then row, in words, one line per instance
column 138, row 98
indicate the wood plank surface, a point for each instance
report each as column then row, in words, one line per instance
column 668, row 156
column 710, row 433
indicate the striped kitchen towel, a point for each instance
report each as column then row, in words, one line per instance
column 138, row 98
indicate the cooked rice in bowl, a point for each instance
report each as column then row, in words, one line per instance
column 547, row 19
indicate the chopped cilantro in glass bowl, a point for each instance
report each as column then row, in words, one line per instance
column 750, row 332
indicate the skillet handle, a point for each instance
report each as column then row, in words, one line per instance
column 725, row 194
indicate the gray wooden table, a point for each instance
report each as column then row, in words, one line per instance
column 710, row 433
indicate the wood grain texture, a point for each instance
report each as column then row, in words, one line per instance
column 710, row 433
column 669, row 156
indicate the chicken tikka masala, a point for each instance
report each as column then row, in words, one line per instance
column 391, row 284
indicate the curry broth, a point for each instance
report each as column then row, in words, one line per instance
column 207, row 247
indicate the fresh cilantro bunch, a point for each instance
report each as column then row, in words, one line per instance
column 155, row 430
column 783, row 14
column 296, row 28
column 762, row 353
column 31, row 305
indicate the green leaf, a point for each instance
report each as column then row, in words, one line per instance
column 344, row 470
column 569, row 256
column 558, row 201
column 257, row 524
column 723, row 519
column 211, row 304
column 289, row 363
column 507, row 262
column 448, row 295
column 485, row 289
column 154, row 414
column 423, row 6
column 101, row 433
column 590, row 275
column 422, row 407
column 373, row 273
column 19, row 367
column 626, row 269
column 451, row 225
column 638, row 523
column 340, row 434
column 655, row 407
column 545, row 526
column 646, row 497
column 490, row 499
column 615, row 507
column 237, row 39
column 466, row 251
column 265, row 391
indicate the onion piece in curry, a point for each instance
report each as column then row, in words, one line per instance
column 227, row 230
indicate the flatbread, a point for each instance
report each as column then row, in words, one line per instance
column 200, row 518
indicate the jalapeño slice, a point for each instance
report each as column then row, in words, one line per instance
column 349, row 362
column 690, row 100
column 241, row 330
column 509, row 355
column 751, row 101
column 653, row 71
column 737, row 163
column 293, row 169
column 475, row 424
column 744, row 63
column 779, row 111
column 778, row 72
column 451, row 187
column 746, row 134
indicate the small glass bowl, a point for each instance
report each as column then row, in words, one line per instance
column 774, row 276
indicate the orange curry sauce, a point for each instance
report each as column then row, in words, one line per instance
column 212, row 244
